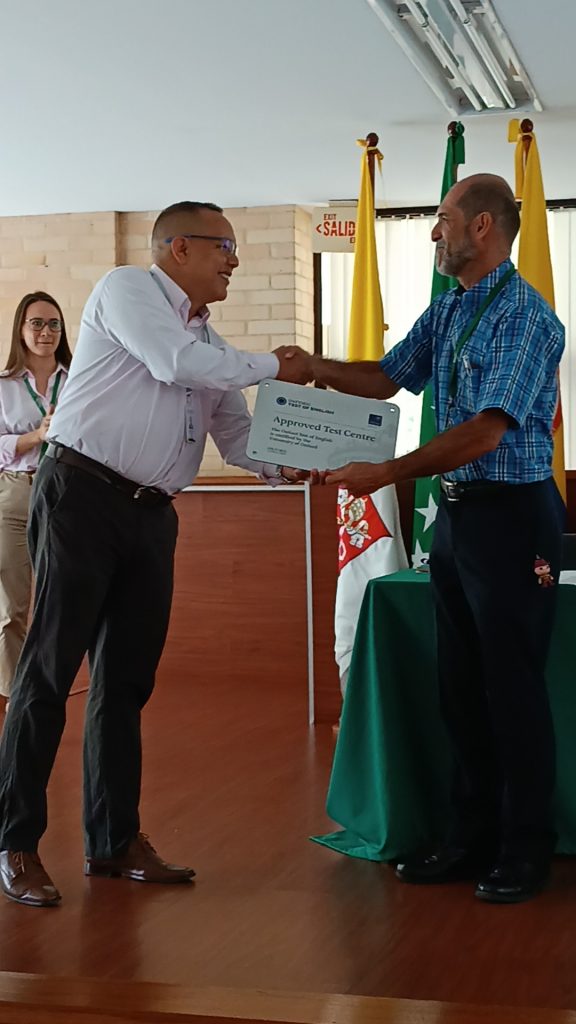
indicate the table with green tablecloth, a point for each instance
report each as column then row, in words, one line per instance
column 390, row 780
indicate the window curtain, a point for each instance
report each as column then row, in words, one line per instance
column 406, row 259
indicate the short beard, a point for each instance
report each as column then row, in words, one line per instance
column 453, row 264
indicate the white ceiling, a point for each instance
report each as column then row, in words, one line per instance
column 135, row 104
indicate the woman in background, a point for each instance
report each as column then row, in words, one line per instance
column 30, row 385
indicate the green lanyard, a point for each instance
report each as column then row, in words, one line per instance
column 36, row 400
column 473, row 325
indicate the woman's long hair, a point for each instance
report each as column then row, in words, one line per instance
column 17, row 357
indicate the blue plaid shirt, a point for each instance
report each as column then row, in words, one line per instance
column 510, row 362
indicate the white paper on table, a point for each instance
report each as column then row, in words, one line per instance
column 567, row 576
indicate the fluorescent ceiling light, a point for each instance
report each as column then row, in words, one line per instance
column 462, row 51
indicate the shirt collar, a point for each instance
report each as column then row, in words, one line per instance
column 472, row 297
column 25, row 372
column 178, row 299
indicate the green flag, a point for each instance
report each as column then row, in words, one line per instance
column 427, row 490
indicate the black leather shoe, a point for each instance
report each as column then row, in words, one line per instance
column 446, row 864
column 513, row 881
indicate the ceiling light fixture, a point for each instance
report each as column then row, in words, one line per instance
column 462, row 51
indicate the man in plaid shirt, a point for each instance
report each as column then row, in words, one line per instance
column 492, row 348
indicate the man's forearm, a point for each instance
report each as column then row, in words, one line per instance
column 452, row 448
column 455, row 447
column 365, row 379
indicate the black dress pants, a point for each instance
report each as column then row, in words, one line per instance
column 494, row 618
column 104, row 574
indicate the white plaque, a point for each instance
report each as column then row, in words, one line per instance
column 310, row 428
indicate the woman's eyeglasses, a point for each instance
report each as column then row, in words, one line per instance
column 37, row 324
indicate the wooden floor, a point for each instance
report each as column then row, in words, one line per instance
column 234, row 784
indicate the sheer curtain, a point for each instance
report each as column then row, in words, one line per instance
column 406, row 259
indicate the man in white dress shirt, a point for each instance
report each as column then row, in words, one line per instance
column 149, row 380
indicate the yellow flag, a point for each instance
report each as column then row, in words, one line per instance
column 534, row 261
column 366, row 332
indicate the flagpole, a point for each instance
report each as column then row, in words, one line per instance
column 453, row 133
column 526, row 126
column 371, row 147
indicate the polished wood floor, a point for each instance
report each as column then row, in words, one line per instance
column 235, row 783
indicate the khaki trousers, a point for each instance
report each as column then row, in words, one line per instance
column 15, row 571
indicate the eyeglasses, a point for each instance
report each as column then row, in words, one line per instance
column 228, row 245
column 37, row 324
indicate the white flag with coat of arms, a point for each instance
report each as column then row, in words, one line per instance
column 369, row 544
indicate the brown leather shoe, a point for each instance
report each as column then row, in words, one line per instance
column 141, row 863
column 22, row 878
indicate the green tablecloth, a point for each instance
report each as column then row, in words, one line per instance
column 391, row 772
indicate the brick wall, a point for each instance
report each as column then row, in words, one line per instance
column 269, row 302
column 62, row 254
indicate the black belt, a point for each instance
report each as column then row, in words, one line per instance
column 456, row 490
column 70, row 457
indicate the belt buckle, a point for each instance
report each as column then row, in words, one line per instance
column 151, row 495
column 455, row 491
column 452, row 490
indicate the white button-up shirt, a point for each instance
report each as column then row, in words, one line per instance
column 146, row 385
column 19, row 414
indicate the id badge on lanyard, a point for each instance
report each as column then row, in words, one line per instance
column 193, row 403
column 189, row 415
column 190, row 403
column 451, row 400
column 39, row 405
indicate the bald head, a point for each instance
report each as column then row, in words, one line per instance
column 489, row 193
column 178, row 219
column 477, row 222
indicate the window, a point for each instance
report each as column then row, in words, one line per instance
column 406, row 259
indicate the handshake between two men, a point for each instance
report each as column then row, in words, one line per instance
column 296, row 365
column 365, row 379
